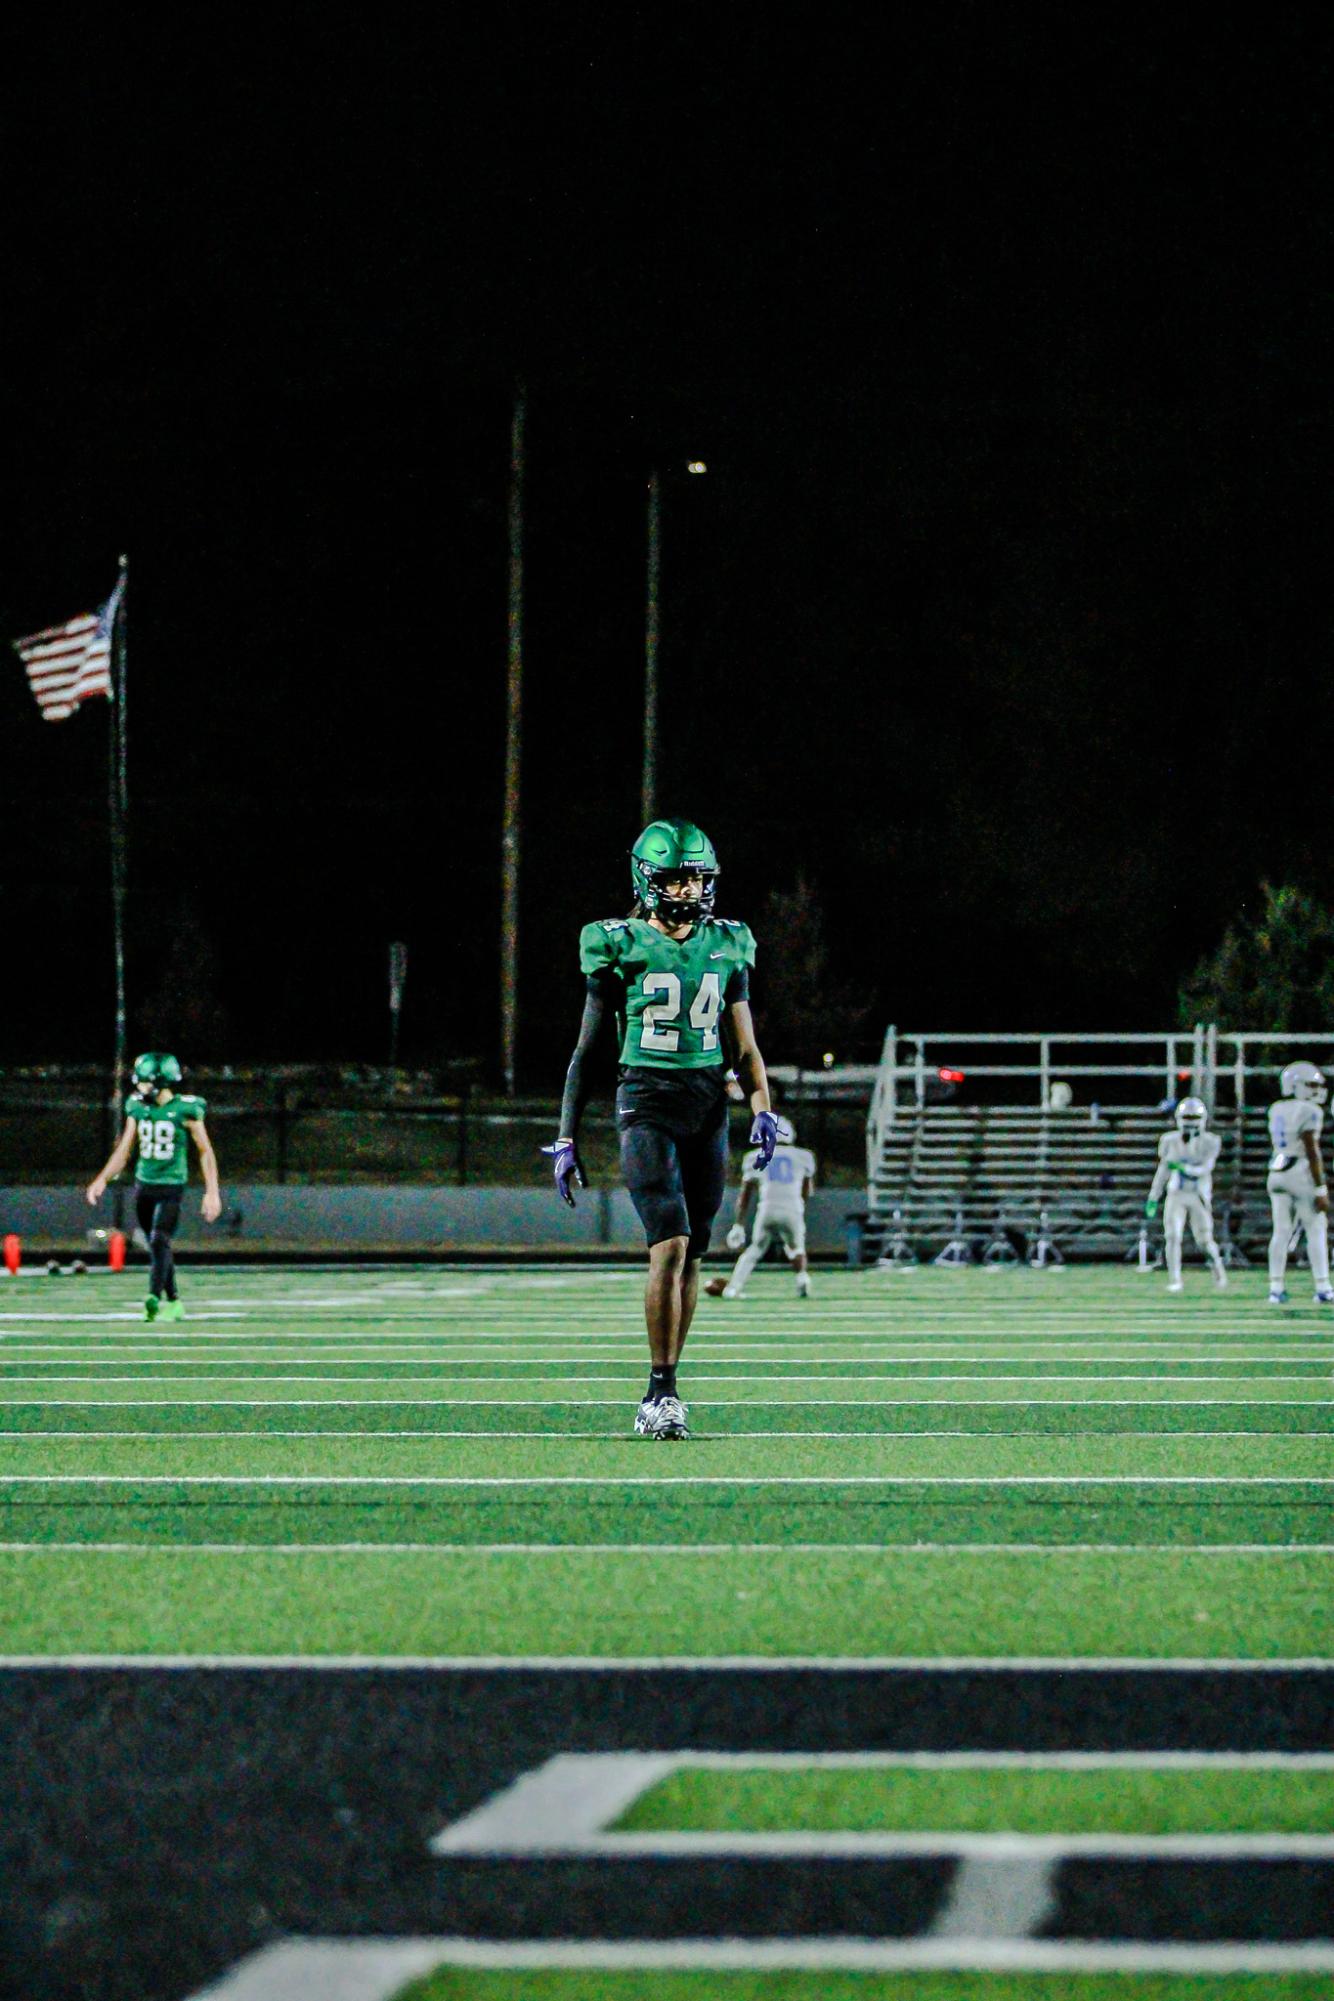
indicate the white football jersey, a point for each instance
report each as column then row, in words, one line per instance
column 782, row 1181
column 1288, row 1120
column 1191, row 1162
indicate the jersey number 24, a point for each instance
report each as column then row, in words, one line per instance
column 655, row 1032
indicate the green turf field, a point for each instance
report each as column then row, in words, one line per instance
column 827, row 1984
column 1029, row 1799
column 440, row 1462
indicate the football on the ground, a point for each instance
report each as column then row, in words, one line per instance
column 714, row 1287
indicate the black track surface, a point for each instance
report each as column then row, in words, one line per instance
column 157, row 1824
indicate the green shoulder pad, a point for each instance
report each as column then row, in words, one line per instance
column 192, row 1107
column 740, row 937
column 601, row 945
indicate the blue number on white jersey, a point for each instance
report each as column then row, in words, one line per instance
column 780, row 1168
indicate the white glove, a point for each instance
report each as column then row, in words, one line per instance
column 736, row 1237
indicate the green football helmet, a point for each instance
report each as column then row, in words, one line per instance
column 154, row 1071
column 666, row 851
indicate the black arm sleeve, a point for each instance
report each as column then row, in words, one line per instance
column 599, row 1001
column 738, row 985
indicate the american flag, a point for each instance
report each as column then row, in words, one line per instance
column 68, row 662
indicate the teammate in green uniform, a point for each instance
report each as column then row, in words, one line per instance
column 676, row 980
column 157, row 1118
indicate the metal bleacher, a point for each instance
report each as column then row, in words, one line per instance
column 987, row 1174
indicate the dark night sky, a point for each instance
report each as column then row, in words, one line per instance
column 1003, row 611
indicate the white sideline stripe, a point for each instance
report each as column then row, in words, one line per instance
column 998, row 1761
column 835, row 1845
column 715, row 1403
column 568, row 1804
column 307, row 1376
column 202, row 1313
column 686, row 1663
column 192, row 1432
column 377, row 1970
column 665, row 1480
column 1175, row 1550
column 444, row 1348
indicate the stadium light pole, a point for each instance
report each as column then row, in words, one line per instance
column 648, row 793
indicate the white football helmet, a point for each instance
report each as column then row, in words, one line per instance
column 1192, row 1117
column 787, row 1132
column 1303, row 1080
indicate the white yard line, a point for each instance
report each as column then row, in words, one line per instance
column 967, row 1761
column 63, row 1375
column 377, row 1970
column 685, row 1663
column 568, row 1804
column 453, row 1349
column 834, row 1845
column 193, row 1432
column 887, row 1550
column 666, row 1480
column 715, row 1403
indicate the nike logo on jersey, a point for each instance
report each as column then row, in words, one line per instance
column 717, row 955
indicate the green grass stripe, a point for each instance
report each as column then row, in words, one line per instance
column 838, row 1603
column 829, row 1984
column 1186, row 1457
column 627, row 1516
column 608, row 1421
column 625, row 1390
column 981, row 1800
column 703, row 1368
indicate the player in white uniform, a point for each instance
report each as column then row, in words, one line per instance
column 1297, row 1193
column 1186, row 1160
column 780, row 1217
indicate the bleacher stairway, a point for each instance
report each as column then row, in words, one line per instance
column 1007, row 1165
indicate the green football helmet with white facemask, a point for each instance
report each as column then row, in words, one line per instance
column 155, row 1071
column 670, row 851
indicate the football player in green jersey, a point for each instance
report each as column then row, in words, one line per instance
column 676, row 980
column 157, row 1118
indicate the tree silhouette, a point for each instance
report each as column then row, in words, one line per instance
column 1273, row 970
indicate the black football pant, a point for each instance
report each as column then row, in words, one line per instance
column 157, row 1211
column 673, row 1131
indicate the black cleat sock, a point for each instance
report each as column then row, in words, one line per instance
column 661, row 1383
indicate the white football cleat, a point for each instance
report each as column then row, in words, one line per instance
column 1277, row 1296
column 732, row 1292
column 1175, row 1285
column 1324, row 1295
column 1220, row 1278
column 803, row 1287
column 669, row 1419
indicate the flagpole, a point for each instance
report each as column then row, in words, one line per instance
column 119, row 804
column 511, row 825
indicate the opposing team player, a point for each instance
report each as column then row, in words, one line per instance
column 157, row 1119
column 676, row 980
column 784, row 1188
column 1298, row 1198
column 1186, row 1161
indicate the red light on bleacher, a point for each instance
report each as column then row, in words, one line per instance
column 1183, row 1076
column 950, row 1076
